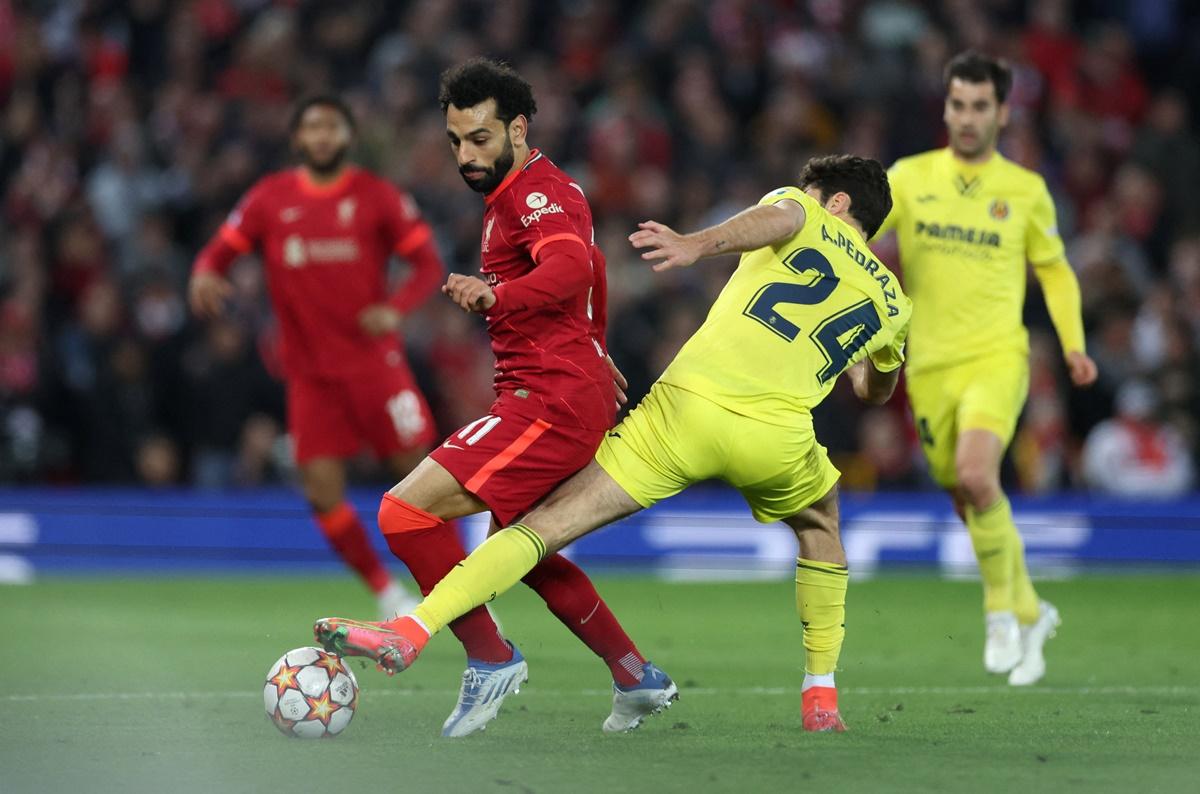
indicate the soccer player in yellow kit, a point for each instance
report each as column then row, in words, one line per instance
column 806, row 303
column 967, row 221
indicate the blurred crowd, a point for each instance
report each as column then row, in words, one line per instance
column 128, row 130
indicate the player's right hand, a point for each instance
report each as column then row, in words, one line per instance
column 207, row 293
column 379, row 319
column 666, row 244
column 469, row 292
column 1081, row 368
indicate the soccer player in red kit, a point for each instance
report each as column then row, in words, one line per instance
column 543, row 297
column 326, row 232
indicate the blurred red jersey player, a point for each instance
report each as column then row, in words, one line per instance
column 326, row 232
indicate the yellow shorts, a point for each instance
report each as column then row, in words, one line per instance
column 985, row 394
column 675, row 438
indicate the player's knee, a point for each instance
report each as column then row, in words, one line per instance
column 556, row 539
column 978, row 485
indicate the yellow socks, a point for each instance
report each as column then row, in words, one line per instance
column 821, row 602
column 996, row 543
column 1025, row 598
column 498, row 564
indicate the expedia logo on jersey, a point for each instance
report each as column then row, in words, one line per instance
column 298, row 252
column 959, row 234
column 540, row 206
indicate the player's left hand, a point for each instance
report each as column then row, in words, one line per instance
column 666, row 244
column 469, row 292
column 1081, row 368
column 619, row 382
column 380, row 319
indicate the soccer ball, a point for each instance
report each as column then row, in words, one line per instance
column 310, row 694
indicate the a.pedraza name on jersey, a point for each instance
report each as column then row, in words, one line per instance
column 538, row 203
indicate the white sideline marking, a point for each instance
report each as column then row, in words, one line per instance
column 770, row 691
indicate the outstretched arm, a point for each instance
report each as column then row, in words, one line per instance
column 208, row 288
column 1061, row 290
column 758, row 226
column 1044, row 248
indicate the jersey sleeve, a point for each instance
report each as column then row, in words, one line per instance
column 241, row 233
column 1042, row 242
column 544, row 215
column 245, row 227
column 410, row 237
column 554, row 230
column 402, row 222
column 812, row 207
column 1061, row 291
column 889, row 357
column 791, row 193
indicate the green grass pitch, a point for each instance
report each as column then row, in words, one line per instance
column 155, row 686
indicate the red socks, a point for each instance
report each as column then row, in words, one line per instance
column 430, row 547
column 573, row 599
column 348, row 537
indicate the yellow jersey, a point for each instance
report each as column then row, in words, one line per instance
column 966, row 232
column 792, row 318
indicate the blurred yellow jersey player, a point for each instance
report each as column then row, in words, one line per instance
column 967, row 221
column 807, row 303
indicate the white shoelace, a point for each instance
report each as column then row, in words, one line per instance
column 472, row 680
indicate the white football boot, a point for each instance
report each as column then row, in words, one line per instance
column 655, row 692
column 484, row 687
column 1002, row 648
column 1032, row 666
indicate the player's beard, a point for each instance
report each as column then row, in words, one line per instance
column 983, row 141
column 325, row 168
column 492, row 176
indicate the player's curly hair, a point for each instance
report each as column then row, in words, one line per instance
column 481, row 79
column 975, row 67
column 862, row 179
column 322, row 100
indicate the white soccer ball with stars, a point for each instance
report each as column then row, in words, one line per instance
column 310, row 694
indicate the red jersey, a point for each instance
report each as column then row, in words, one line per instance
column 549, row 346
column 325, row 250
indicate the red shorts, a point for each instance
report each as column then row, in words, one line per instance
column 511, row 461
column 337, row 418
